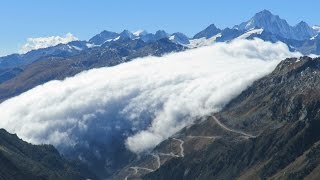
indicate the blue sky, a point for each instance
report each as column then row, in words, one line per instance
column 83, row 18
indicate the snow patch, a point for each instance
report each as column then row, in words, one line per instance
column 249, row 33
column 139, row 33
column 194, row 43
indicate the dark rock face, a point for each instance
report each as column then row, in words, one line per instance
column 282, row 110
column 180, row 38
column 21, row 160
column 104, row 36
column 161, row 34
column 210, row 31
column 229, row 34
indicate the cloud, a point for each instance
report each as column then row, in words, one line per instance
column 44, row 42
column 143, row 101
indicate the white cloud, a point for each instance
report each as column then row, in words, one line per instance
column 44, row 42
column 145, row 101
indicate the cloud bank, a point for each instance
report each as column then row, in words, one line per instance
column 44, row 42
column 144, row 101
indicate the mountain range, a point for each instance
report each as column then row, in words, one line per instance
column 269, row 131
column 301, row 37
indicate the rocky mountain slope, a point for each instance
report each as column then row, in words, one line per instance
column 21, row 160
column 274, row 124
column 270, row 131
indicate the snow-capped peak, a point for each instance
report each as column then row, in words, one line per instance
column 179, row 38
column 264, row 19
column 275, row 25
column 140, row 33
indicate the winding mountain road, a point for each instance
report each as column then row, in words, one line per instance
column 136, row 169
column 157, row 157
column 232, row 130
column 168, row 154
column 181, row 146
column 181, row 154
column 204, row 137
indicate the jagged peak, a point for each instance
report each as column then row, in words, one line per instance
column 160, row 34
column 179, row 34
column 212, row 26
column 266, row 15
column 106, row 31
column 126, row 32
column 265, row 12
column 210, row 31
column 302, row 24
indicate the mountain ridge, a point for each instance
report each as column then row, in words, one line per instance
column 300, row 37
column 21, row 160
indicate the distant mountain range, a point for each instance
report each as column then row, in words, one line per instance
column 301, row 37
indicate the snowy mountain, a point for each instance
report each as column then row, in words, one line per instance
column 107, row 36
column 60, row 50
column 263, row 25
column 268, row 27
column 275, row 25
column 303, row 30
